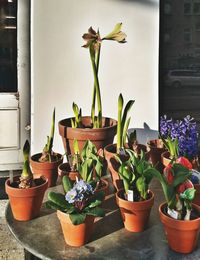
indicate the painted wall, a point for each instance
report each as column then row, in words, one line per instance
column 61, row 69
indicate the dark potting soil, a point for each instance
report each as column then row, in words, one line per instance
column 37, row 182
column 194, row 213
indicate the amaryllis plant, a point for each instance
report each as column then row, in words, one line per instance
column 78, row 201
column 93, row 42
column 177, row 187
column 180, row 136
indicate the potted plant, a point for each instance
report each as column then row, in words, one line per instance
column 179, row 216
column 86, row 164
column 46, row 163
column 25, row 193
column 135, row 200
column 180, row 138
column 100, row 130
column 76, row 210
column 111, row 150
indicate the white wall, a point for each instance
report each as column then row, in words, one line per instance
column 61, row 69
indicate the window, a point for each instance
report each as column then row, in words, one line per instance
column 187, row 35
column 196, row 8
column 187, row 8
column 8, row 46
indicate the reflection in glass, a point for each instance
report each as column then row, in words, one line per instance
column 8, row 45
column 180, row 58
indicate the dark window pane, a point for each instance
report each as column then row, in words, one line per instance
column 179, row 81
column 8, row 46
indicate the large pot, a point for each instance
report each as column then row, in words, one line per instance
column 182, row 235
column 25, row 203
column 100, row 137
column 47, row 169
column 75, row 235
column 135, row 215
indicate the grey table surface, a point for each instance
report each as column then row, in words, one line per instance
column 43, row 236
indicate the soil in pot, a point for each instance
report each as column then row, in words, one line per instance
column 186, row 232
column 135, row 215
column 47, row 169
column 76, row 235
column 100, row 137
column 26, row 203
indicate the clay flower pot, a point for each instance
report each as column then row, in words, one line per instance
column 65, row 169
column 26, row 203
column 113, row 165
column 135, row 215
column 182, row 235
column 197, row 194
column 100, row 137
column 156, row 148
column 47, row 169
column 165, row 158
column 75, row 235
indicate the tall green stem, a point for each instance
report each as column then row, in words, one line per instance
column 119, row 123
column 96, row 93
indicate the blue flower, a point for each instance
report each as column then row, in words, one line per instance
column 71, row 195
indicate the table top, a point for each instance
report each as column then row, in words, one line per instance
column 110, row 240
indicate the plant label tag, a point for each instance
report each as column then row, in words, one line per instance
column 173, row 213
column 130, row 195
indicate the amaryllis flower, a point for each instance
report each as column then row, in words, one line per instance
column 184, row 186
column 116, row 34
column 168, row 173
column 185, row 162
column 91, row 37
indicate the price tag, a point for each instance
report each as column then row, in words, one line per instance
column 173, row 213
column 130, row 195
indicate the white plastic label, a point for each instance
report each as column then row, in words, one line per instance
column 130, row 195
column 173, row 213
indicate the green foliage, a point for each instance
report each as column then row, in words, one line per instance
column 135, row 173
column 57, row 201
column 26, row 172
column 123, row 122
column 77, row 120
column 172, row 146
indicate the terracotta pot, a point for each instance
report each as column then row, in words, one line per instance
column 75, row 235
column 135, row 215
column 113, row 165
column 197, row 194
column 100, row 137
column 47, row 169
column 182, row 235
column 25, row 203
column 141, row 147
column 165, row 158
column 156, row 148
column 65, row 169
column 104, row 188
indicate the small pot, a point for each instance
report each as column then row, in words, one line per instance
column 75, row 235
column 65, row 169
column 113, row 165
column 100, row 137
column 135, row 215
column 165, row 158
column 47, row 169
column 182, row 235
column 104, row 188
column 197, row 194
column 25, row 203
column 156, row 148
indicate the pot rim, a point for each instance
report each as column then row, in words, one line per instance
column 135, row 202
column 177, row 220
column 61, row 123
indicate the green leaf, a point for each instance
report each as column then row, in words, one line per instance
column 142, row 187
column 126, row 111
column 119, row 123
column 77, row 218
column 76, row 147
column 188, row 194
column 96, row 212
column 125, row 131
column 58, row 199
column 51, row 205
column 67, row 185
